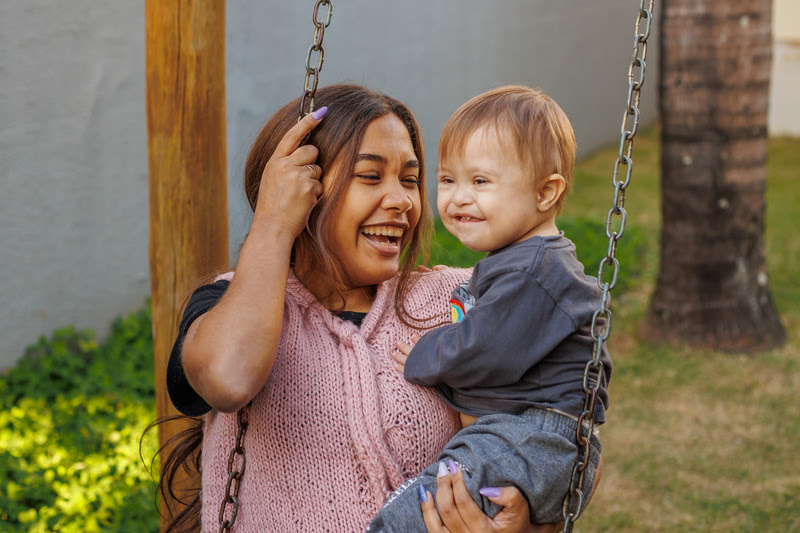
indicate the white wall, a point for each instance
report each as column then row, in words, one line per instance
column 784, row 110
column 73, row 145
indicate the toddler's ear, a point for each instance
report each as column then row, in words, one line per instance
column 550, row 190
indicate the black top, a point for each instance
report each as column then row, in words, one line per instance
column 183, row 396
column 352, row 316
column 523, row 339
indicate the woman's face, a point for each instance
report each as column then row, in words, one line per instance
column 381, row 206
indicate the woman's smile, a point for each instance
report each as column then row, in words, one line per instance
column 386, row 237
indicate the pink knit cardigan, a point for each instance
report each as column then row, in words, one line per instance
column 336, row 428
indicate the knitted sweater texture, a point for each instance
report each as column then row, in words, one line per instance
column 336, row 428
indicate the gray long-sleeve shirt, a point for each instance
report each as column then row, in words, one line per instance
column 526, row 339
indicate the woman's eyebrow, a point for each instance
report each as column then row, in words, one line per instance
column 371, row 157
column 411, row 163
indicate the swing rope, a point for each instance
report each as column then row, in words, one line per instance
column 601, row 321
column 236, row 467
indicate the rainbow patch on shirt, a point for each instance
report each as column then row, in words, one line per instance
column 456, row 310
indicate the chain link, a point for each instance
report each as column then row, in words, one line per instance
column 312, row 73
column 593, row 374
column 235, row 473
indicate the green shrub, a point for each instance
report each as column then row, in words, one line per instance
column 447, row 250
column 590, row 241
column 72, row 413
column 591, row 246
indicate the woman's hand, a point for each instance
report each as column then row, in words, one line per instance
column 290, row 184
column 228, row 353
column 460, row 514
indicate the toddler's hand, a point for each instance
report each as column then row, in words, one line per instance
column 403, row 349
column 436, row 268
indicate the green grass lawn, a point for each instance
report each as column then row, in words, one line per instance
column 698, row 440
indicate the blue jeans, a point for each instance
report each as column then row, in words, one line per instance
column 532, row 451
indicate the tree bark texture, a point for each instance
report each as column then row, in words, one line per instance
column 712, row 288
column 185, row 64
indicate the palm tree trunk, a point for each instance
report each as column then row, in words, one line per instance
column 713, row 287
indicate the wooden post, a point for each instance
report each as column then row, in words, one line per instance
column 185, row 41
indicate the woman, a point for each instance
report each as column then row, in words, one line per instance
column 303, row 332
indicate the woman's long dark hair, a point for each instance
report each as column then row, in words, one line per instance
column 351, row 108
column 182, row 462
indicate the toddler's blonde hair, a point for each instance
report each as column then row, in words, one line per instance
column 532, row 123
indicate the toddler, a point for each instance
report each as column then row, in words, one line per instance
column 512, row 361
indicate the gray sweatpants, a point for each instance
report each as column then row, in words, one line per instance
column 533, row 451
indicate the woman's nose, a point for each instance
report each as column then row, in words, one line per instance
column 397, row 197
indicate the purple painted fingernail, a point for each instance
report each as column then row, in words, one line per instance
column 319, row 113
column 490, row 492
column 423, row 494
column 453, row 466
column 442, row 470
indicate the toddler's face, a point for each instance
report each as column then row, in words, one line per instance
column 486, row 198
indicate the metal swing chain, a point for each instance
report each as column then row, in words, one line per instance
column 235, row 473
column 312, row 73
column 236, row 467
column 601, row 321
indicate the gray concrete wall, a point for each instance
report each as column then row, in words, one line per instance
column 434, row 55
column 73, row 145
column 73, row 167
